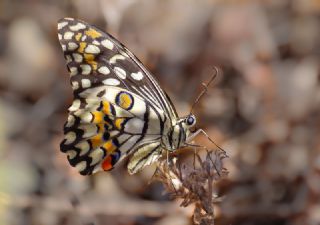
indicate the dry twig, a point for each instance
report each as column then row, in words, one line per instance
column 194, row 183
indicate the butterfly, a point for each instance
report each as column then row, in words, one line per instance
column 119, row 109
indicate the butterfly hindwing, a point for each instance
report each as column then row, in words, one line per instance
column 104, row 128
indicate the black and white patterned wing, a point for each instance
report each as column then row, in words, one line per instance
column 118, row 106
column 107, row 56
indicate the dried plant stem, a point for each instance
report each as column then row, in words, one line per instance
column 194, row 184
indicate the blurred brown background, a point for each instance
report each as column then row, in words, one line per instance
column 263, row 110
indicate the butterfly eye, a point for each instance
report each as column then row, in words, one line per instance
column 191, row 120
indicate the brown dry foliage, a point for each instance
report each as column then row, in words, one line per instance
column 194, row 184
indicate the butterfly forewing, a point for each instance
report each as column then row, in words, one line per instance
column 118, row 106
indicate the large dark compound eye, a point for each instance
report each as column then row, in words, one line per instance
column 191, row 120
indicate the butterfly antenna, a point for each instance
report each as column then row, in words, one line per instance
column 205, row 88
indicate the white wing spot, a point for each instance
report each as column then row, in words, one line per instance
column 104, row 70
column 70, row 121
column 92, row 49
column 89, row 130
column 84, row 147
column 72, row 46
column 78, row 26
column 64, row 47
column 120, row 72
column 115, row 58
column 69, row 18
column 62, row 25
column 86, row 117
column 75, row 105
column 137, row 76
column 81, row 166
column 86, row 83
column 107, row 43
column 59, row 36
column 77, row 57
column 96, row 156
column 70, row 137
column 86, row 69
column 111, row 81
column 95, row 42
column 68, row 35
column 71, row 154
column 73, row 71
column 75, row 85
column 84, row 37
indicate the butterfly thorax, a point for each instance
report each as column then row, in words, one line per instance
column 177, row 135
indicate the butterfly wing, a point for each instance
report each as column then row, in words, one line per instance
column 145, row 155
column 118, row 106
column 88, row 42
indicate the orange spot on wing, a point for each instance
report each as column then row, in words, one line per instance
column 109, row 146
column 125, row 101
column 97, row 117
column 78, row 36
column 107, row 164
column 118, row 123
column 89, row 58
column 93, row 33
column 82, row 46
column 94, row 65
column 96, row 140
column 106, row 108
column 101, row 127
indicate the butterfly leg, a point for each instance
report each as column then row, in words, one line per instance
column 200, row 131
column 219, row 154
column 195, row 146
